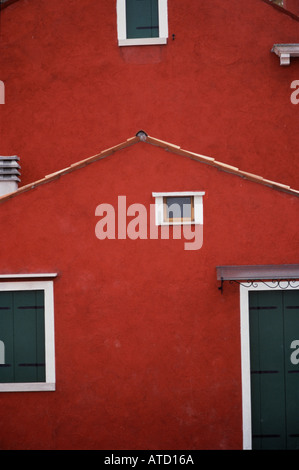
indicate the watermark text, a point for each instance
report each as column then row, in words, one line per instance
column 2, row 92
column 134, row 222
column 295, row 94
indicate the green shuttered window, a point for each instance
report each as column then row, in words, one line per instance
column 22, row 335
column 274, row 354
column 27, row 345
column 142, row 22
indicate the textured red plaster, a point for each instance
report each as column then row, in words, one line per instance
column 147, row 349
column 215, row 89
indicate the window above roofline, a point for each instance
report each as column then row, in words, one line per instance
column 122, row 27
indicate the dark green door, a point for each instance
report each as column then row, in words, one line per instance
column 142, row 18
column 274, row 357
column 22, row 337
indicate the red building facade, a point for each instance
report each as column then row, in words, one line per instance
column 149, row 317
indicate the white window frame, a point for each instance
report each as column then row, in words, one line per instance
column 245, row 356
column 49, row 384
column 122, row 26
column 198, row 207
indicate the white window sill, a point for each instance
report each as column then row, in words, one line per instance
column 142, row 41
column 28, row 387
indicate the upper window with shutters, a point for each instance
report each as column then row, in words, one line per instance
column 142, row 22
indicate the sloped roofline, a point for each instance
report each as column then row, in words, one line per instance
column 282, row 10
column 143, row 137
column 6, row 3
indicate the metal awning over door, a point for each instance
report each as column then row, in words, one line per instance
column 286, row 275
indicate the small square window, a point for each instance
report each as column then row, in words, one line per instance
column 142, row 22
column 179, row 208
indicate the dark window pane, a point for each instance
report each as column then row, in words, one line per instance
column 142, row 18
column 22, row 336
column 178, row 207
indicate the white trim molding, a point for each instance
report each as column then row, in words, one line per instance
column 245, row 355
column 198, row 207
column 285, row 52
column 49, row 384
column 122, row 26
column 29, row 276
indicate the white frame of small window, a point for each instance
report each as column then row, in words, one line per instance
column 198, row 207
column 122, row 26
column 50, row 382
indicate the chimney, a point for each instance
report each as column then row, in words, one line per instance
column 9, row 174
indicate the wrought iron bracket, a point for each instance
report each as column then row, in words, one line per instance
column 272, row 284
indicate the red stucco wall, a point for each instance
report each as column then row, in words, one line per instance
column 147, row 348
column 216, row 89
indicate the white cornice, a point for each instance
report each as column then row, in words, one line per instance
column 285, row 52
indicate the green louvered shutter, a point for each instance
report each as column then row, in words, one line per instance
column 7, row 337
column 22, row 331
column 291, row 334
column 274, row 325
column 142, row 18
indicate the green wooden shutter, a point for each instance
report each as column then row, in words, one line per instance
column 6, row 335
column 291, row 333
column 22, row 330
column 142, row 18
column 274, row 324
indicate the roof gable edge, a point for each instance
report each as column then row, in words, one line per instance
column 224, row 167
column 141, row 136
column 282, row 10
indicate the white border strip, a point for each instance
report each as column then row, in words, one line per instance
column 28, row 276
column 180, row 193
